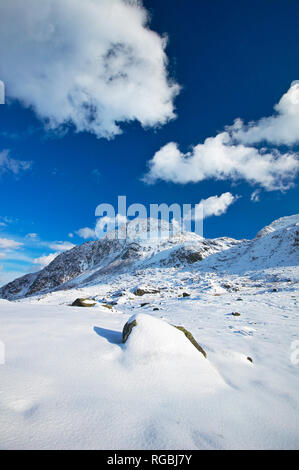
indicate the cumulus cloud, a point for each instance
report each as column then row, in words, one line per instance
column 61, row 246
column 220, row 159
column 92, row 63
column 281, row 128
column 217, row 205
column 10, row 165
column 232, row 155
column 8, row 244
column 86, row 233
column 43, row 261
column 212, row 206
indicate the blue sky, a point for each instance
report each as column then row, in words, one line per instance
column 231, row 60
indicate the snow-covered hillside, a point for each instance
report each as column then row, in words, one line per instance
column 102, row 260
column 94, row 262
column 68, row 381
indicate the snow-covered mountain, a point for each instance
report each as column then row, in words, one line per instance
column 95, row 262
column 274, row 246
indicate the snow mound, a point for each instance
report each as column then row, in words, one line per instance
column 164, row 351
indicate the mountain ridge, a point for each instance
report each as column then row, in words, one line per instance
column 97, row 261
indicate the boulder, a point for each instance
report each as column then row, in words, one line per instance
column 132, row 323
column 83, row 303
column 127, row 329
column 141, row 292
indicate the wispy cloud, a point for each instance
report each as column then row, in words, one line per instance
column 44, row 260
column 8, row 244
column 61, row 246
column 101, row 67
column 86, row 233
column 10, row 165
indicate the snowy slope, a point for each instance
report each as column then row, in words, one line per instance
column 274, row 246
column 68, row 382
column 92, row 262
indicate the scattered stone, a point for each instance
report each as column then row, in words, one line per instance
column 83, row 303
column 144, row 304
column 274, row 289
column 249, row 359
column 236, row 314
column 110, row 306
column 141, row 292
column 239, row 299
column 155, row 309
column 193, row 257
column 185, row 294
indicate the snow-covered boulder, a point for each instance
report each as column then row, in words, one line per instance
column 161, row 353
column 157, row 335
column 83, row 303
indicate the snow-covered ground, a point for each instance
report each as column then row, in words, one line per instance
column 69, row 382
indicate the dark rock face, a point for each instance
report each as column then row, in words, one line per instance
column 83, row 303
column 191, row 339
column 127, row 329
column 141, row 292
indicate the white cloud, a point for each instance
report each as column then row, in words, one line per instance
column 61, row 246
column 219, row 159
column 86, row 233
column 91, row 63
column 217, row 205
column 10, row 165
column 212, row 206
column 43, row 261
column 106, row 224
column 255, row 196
column 2, row 255
column 281, row 128
column 115, row 221
column 32, row 236
column 2, row 92
column 8, row 244
column 71, row 235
